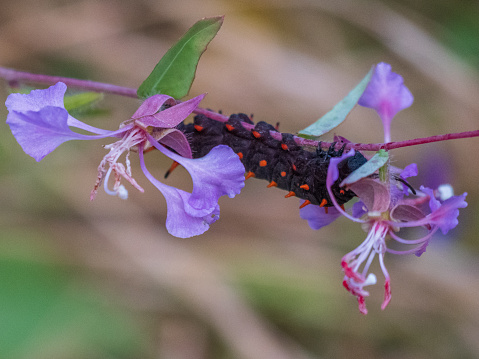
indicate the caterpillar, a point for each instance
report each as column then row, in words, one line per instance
column 285, row 164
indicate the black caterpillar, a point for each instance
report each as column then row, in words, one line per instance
column 284, row 163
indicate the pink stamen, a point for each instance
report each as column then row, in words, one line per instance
column 362, row 305
column 350, row 273
column 387, row 294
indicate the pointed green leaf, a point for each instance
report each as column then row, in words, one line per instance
column 339, row 112
column 175, row 72
column 375, row 163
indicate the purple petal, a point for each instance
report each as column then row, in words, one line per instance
column 218, row 173
column 445, row 217
column 176, row 140
column 333, row 172
column 409, row 171
column 40, row 132
column 179, row 222
column 386, row 92
column 332, row 176
column 52, row 96
column 407, row 213
column 152, row 105
column 317, row 216
column 170, row 117
column 434, row 203
column 37, row 99
column 374, row 194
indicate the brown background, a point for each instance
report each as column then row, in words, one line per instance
column 260, row 283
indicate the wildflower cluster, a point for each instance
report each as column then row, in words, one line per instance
column 40, row 123
column 386, row 203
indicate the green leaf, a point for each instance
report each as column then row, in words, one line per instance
column 81, row 100
column 375, row 163
column 339, row 112
column 175, row 72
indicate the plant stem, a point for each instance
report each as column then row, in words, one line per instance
column 14, row 76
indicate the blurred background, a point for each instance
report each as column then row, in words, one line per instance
column 103, row 279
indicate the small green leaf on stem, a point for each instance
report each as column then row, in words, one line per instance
column 175, row 72
column 339, row 112
column 376, row 162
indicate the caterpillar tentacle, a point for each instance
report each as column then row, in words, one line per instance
column 284, row 164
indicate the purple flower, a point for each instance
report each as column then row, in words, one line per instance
column 383, row 210
column 443, row 213
column 40, row 123
column 387, row 94
column 409, row 171
column 317, row 217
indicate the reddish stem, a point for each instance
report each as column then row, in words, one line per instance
column 13, row 76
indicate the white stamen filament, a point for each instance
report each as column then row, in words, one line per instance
column 132, row 138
